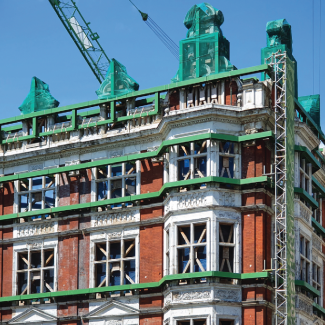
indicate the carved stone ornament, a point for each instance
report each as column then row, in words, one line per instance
column 36, row 229
column 113, row 218
column 191, row 200
column 305, row 213
column 227, row 295
column 304, row 306
column 168, row 299
column 191, row 295
column 317, row 242
column 227, row 199
column 113, row 322
column 114, row 235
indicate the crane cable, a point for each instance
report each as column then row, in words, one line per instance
column 167, row 41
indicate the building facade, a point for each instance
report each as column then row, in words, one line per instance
column 157, row 207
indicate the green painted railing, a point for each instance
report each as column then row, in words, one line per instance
column 111, row 102
column 138, row 286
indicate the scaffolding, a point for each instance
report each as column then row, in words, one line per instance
column 277, row 62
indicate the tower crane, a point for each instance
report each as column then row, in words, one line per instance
column 86, row 40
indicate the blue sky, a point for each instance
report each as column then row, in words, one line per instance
column 35, row 43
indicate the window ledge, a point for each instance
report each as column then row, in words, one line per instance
column 161, row 283
column 307, row 287
column 302, row 193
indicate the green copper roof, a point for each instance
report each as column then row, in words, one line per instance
column 39, row 98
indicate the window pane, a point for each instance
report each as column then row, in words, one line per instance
column 226, row 234
column 200, row 147
column 37, row 183
column 184, row 169
column 226, row 322
column 102, row 172
column 183, row 322
column 49, row 181
column 23, row 202
column 200, row 167
column 116, row 188
column 226, row 147
column 130, row 169
column 129, row 246
column 226, row 167
column 50, row 199
column 226, row 258
column 24, row 185
column 199, row 321
column 100, row 252
column 22, row 283
column 35, row 278
column 102, row 190
column 129, row 272
column 35, row 260
column 184, row 235
column 37, row 201
column 184, row 150
column 100, row 271
column 200, row 233
column 130, row 186
column 184, row 260
column 49, row 258
column 23, row 261
column 115, row 274
column 116, row 170
column 200, row 259
column 48, row 281
column 115, row 250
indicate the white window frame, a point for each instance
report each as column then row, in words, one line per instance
column 45, row 188
column 96, row 179
column 317, row 284
column 305, row 172
column 108, row 238
column 212, row 241
column 42, row 246
column 304, row 259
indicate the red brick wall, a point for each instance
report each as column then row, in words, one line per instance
column 7, row 258
column 150, row 213
column 231, row 100
column 7, row 198
column 151, row 319
column 5, row 315
column 254, row 158
column 257, row 316
column 256, row 234
column 151, row 302
column 68, row 263
column 151, row 253
column 174, row 100
column 151, row 176
column 75, row 189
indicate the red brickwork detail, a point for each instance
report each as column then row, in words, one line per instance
column 249, row 242
column 7, row 198
column 83, row 274
column 231, row 100
column 7, row 233
column 260, row 240
column 7, row 258
column 254, row 158
column 151, row 253
column 174, row 100
column 85, row 186
column 75, row 189
column 151, row 213
column 249, row 316
column 68, row 309
column 5, row 315
column 151, row 302
column 257, row 316
column 150, row 319
column 68, row 263
column 151, row 176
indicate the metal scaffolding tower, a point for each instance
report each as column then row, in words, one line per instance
column 277, row 62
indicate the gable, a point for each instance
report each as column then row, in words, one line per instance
column 31, row 316
column 113, row 309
